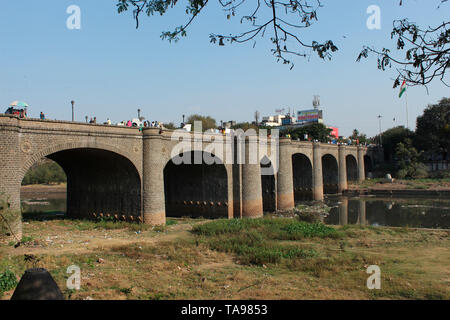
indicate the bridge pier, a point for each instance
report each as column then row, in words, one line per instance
column 154, row 207
column 10, row 179
column 252, row 202
column 361, row 170
column 342, row 184
column 343, row 212
column 362, row 212
column 285, row 184
column 317, row 184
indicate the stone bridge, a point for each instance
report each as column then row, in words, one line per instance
column 129, row 173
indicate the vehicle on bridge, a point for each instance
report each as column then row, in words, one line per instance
column 22, row 113
column 18, row 108
column 131, row 123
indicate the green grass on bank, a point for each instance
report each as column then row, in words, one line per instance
column 262, row 241
column 97, row 224
column 268, row 258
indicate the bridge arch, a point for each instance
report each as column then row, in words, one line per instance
column 100, row 179
column 268, row 185
column 368, row 165
column 196, row 190
column 330, row 173
column 352, row 168
column 302, row 177
column 43, row 153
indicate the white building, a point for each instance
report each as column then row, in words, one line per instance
column 273, row 121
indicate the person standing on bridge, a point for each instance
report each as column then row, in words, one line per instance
column 42, row 116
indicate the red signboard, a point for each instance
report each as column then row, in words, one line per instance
column 334, row 132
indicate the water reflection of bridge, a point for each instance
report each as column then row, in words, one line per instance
column 343, row 212
column 411, row 212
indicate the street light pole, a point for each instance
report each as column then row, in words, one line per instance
column 72, row 102
column 381, row 139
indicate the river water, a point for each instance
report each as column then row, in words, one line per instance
column 371, row 211
column 393, row 212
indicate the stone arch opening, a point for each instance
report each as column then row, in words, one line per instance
column 330, row 174
column 302, row 177
column 43, row 193
column 101, row 182
column 352, row 168
column 368, row 165
column 268, row 185
column 196, row 190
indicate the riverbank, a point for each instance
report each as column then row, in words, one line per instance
column 44, row 188
column 401, row 188
column 222, row 259
column 414, row 184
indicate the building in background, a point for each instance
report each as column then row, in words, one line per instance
column 305, row 117
column 300, row 119
column 273, row 121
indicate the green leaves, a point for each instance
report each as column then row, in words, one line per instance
column 323, row 50
column 316, row 131
column 207, row 121
column 433, row 133
column 8, row 281
column 427, row 53
column 47, row 172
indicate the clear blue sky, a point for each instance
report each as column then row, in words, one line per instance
column 111, row 69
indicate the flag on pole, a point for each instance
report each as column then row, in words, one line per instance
column 402, row 89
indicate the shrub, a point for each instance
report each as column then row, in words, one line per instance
column 10, row 220
column 299, row 230
column 441, row 174
column 8, row 281
column 414, row 170
column 257, row 241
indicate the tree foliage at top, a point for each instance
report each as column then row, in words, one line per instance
column 247, row 126
column 316, row 131
column 426, row 52
column 391, row 138
column 207, row 121
column 408, row 162
column 45, row 173
column 360, row 137
column 433, row 129
column 280, row 20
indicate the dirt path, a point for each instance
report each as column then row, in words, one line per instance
column 60, row 241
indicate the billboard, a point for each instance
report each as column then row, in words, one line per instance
column 334, row 132
column 287, row 121
column 307, row 116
